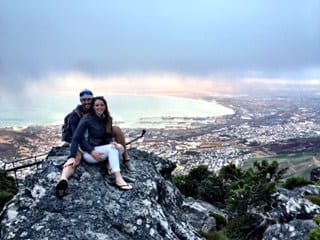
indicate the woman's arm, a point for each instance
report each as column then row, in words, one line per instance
column 78, row 137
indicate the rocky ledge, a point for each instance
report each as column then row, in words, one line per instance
column 94, row 208
column 155, row 209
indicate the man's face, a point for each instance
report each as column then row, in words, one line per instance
column 86, row 103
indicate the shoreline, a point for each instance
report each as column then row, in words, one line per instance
column 146, row 116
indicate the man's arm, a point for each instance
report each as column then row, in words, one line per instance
column 74, row 122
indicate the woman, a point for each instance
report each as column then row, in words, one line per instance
column 94, row 136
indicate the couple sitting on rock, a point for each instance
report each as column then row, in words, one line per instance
column 92, row 131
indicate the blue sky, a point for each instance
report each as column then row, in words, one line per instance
column 223, row 45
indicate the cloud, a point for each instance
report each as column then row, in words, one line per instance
column 159, row 83
column 40, row 39
column 127, row 83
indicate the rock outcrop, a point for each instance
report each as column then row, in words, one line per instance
column 315, row 174
column 293, row 214
column 94, row 208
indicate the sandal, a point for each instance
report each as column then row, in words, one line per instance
column 61, row 188
column 124, row 187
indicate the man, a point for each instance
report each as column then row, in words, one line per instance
column 70, row 166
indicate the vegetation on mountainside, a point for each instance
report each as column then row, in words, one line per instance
column 294, row 182
column 314, row 234
column 214, row 235
column 317, row 219
column 315, row 199
column 232, row 188
column 236, row 190
column 8, row 188
column 221, row 221
column 240, row 190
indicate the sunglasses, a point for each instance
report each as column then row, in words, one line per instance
column 86, row 99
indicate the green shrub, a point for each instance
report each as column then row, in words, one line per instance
column 221, row 221
column 294, row 182
column 230, row 173
column 214, row 235
column 8, row 188
column 254, row 188
column 244, row 227
column 314, row 199
column 179, row 181
column 317, row 219
column 212, row 190
column 237, row 190
column 199, row 173
column 314, row 234
column 234, row 188
column 189, row 185
column 234, row 229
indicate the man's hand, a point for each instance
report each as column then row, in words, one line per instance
column 76, row 162
column 97, row 156
column 118, row 146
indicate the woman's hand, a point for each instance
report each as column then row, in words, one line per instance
column 97, row 156
column 71, row 162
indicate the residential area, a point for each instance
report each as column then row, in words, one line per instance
column 217, row 142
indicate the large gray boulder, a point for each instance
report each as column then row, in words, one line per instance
column 315, row 174
column 94, row 208
column 294, row 230
column 292, row 214
column 199, row 214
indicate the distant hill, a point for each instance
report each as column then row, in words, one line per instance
column 299, row 155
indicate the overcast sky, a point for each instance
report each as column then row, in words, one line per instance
column 48, row 43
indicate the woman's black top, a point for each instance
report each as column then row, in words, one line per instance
column 91, row 132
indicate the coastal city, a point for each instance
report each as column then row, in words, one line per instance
column 257, row 125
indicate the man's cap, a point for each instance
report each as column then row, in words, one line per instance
column 86, row 93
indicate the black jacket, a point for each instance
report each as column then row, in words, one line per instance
column 75, row 118
column 91, row 132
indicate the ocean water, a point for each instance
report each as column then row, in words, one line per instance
column 127, row 111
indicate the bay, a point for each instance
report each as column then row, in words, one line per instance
column 128, row 111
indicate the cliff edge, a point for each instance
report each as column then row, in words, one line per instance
column 94, row 208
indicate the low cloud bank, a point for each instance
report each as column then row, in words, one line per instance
column 149, row 84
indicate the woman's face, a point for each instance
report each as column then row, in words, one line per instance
column 99, row 107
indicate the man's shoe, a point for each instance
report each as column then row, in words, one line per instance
column 129, row 166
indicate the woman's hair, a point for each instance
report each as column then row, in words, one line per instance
column 106, row 112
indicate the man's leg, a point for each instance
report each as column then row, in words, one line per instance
column 119, row 137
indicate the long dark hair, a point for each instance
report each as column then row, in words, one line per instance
column 106, row 112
